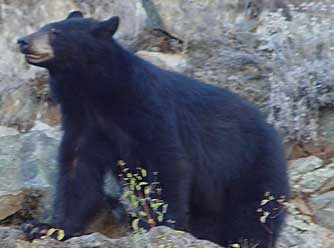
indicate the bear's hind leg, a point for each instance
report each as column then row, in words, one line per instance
column 208, row 227
column 243, row 225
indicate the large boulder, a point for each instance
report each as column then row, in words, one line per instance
column 28, row 173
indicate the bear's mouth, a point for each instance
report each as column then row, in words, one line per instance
column 37, row 58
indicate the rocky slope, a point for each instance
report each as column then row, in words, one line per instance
column 285, row 67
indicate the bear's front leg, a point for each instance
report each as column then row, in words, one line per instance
column 79, row 192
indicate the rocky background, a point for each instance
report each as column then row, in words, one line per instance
column 278, row 55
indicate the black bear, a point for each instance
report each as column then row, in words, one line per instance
column 216, row 156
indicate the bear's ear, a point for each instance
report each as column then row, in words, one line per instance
column 106, row 28
column 75, row 14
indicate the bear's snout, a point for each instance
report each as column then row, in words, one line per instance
column 23, row 43
column 36, row 48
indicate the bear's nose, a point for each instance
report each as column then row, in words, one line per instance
column 23, row 43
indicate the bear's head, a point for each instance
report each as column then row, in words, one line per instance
column 68, row 41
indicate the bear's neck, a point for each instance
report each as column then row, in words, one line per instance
column 104, row 73
column 115, row 85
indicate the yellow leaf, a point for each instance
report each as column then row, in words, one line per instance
column 264, row 202
column 134, row 201
column 164, row 208
column 126, row 194
column 142, row 213
column 155, row 206
column 147, row 190
column 160, row 218
column 132, row 181
column 51, row 231
column 135, row 224
column 143, row 184
column 143, row 172
column 60, row 235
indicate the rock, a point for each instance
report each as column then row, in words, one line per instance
column 156, row 237
column 323, row 206
column 300, row 233
column 10, row 237
column 298, row 167
column 189, row 20
column 308, row 175
column 21, row 106
column 173, row 62
column 10, row 203
column 6, row 131
column 30, row 160
column 317, row 180
column 132, row 13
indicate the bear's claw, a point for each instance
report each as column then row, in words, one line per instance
column 35, row 230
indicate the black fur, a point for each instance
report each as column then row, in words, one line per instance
column 214, row 152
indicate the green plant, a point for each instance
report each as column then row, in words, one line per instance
column 142, row 199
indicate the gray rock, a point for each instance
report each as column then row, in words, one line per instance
column 29, row 159
column 22, row 105
column 299, row 233
column 156, row 237
column 316, row 180
column 309, row 175
column 10, row 237
column 132, row 13
column 173, row 62
column 189, row 20
column 303, row 167
column 6, row 131
column 323, row 206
